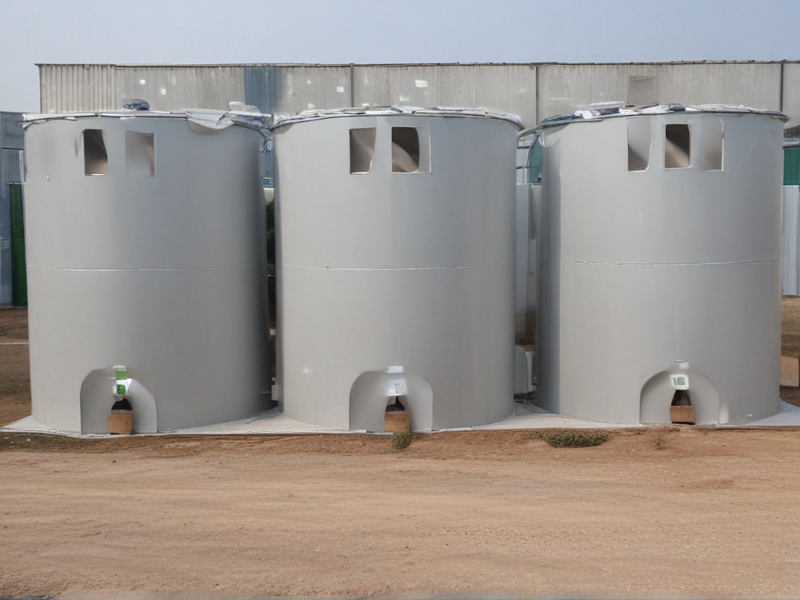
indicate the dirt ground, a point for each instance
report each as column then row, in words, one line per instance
column 657, row 511
column 678, row 511
column 790, row 326
column 790, row 341
column 15, row 384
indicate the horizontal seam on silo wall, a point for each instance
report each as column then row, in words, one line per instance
column 649, row 264
column 398, row 268
column 132, row 269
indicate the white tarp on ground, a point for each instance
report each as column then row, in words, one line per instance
column 791, row 241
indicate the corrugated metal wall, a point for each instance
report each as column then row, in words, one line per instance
column 791, row 92
column 171, row 88
column 295, row 89
column 66, row 88
column 563, row 88
column 532, row 91
column 11, row 130
column 751, row 84
column 791, row 241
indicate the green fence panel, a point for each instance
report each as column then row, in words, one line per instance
column 19, row 278
column 791, row 166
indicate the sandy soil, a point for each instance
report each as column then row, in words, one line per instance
column 664, row 511
column 790, row 326
column 668, row 511
column 397, row 421
column 790, row 340
column 15, row 384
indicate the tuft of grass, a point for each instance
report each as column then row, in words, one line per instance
column 574, row 438
column 401, row 440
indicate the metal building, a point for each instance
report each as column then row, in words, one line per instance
column 659, row 264
column 790, row 279
column 395, row 266
column 11, row 263
column 534, row 91
column 146, row 238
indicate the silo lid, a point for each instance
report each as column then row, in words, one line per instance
column 391, row 111
column 610, row 110
column 205, row 118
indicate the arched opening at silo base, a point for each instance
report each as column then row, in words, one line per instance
column 97, row 402
column 681, row 410
column 657, row 396
column 397, row 416
column 369, row 399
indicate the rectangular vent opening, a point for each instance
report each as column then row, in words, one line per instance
column 405, row 150
column 709, row 143
column 677, row 147
column 140, row 153
column 362, row 149
column 95, row 157
column 638, row 144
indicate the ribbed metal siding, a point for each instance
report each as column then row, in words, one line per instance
column 66, row 88
column 9, row 173
column 19, row 285
column 791, row 92
column 791, row 241
column 509, row 88
column 256, row 90
column 531, row 90
column 11, row 130
column 749, row 84
column 295, row 89
column 564, row 88
column 10, row 153
column 173, row 88
column 404, row 85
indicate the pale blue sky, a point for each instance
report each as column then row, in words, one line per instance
column 345, row 31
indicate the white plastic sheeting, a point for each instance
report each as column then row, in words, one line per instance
column 205, row 118
column 790, row 261
column 389, row 111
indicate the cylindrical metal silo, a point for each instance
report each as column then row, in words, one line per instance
column 659, row 264
column 146, row 248
column 396, row 266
